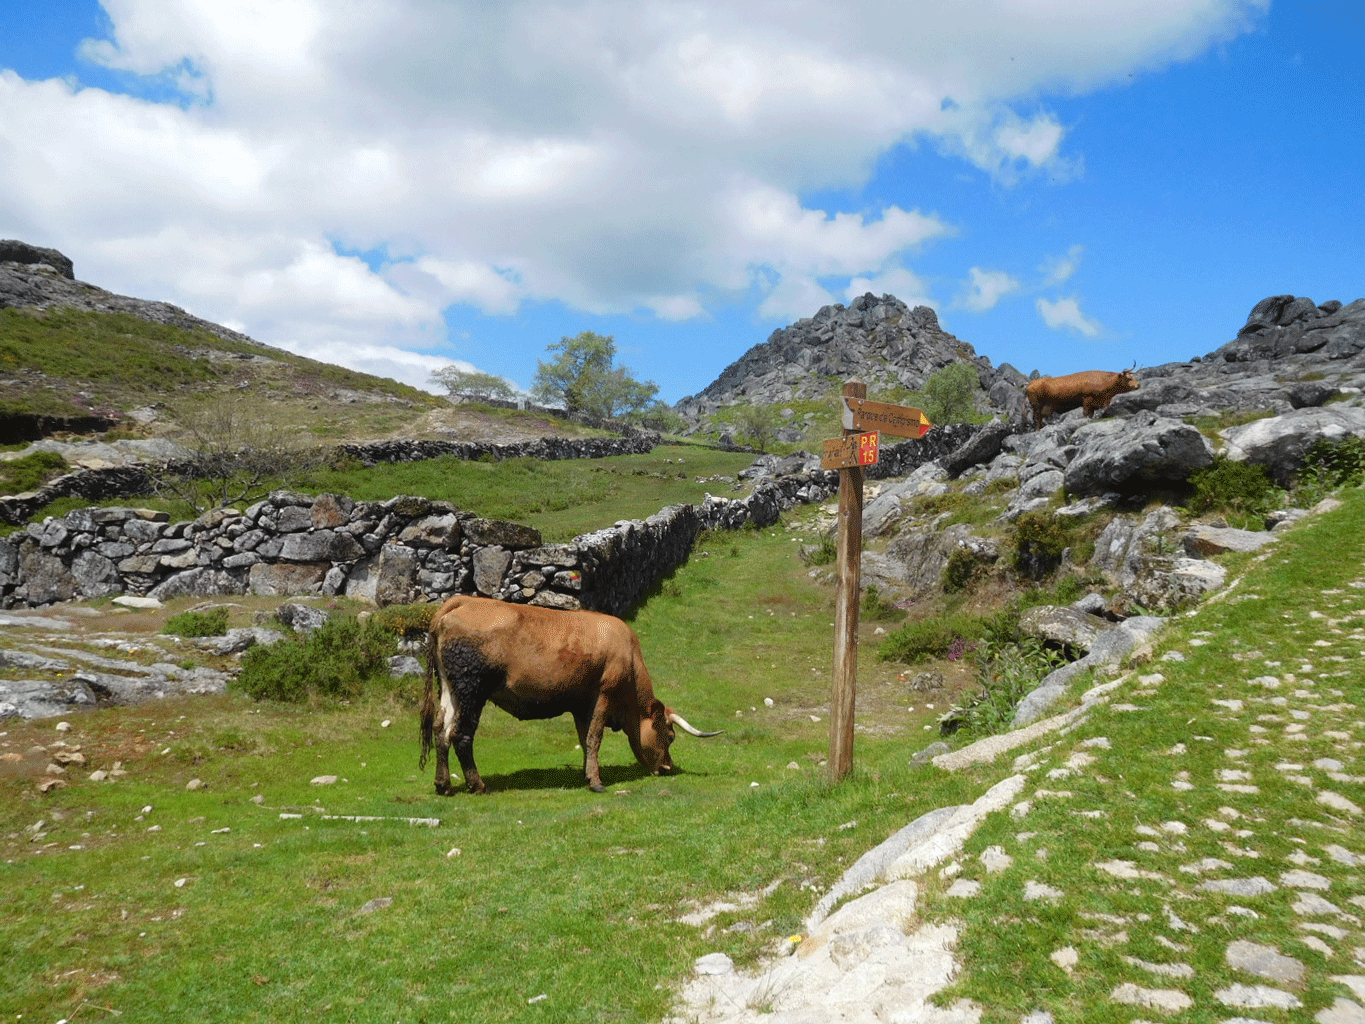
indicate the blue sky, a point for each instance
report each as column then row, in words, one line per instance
column 394, row 185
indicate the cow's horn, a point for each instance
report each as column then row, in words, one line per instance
column 681, row 723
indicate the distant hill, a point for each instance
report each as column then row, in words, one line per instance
column 78, row 358
column 882, row 341
column 1290, row 353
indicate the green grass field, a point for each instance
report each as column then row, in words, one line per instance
column 541, row 900
column 540, row 887
column 561, row 498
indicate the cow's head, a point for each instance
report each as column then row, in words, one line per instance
column 1127, row 381
column 657, row 733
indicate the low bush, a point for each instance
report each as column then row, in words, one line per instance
column 1329, row 464
column 1240, row 489
column 1039, row 540
column 337, row 660
column 876, row 608
column 925, row 639
column 1006, row 673
column 406, row 621
column 823, row 553
column 961, row 569
column 212, row 622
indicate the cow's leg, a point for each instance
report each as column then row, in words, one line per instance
column 447, row 714
column 464, row 745
column 591, row 737
column 463, row 693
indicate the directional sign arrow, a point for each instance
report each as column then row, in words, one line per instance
column 900, row 420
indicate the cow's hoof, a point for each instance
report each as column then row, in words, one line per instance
column 597, row 787
column 445, row 789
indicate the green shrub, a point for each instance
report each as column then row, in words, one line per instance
column 1006, row 673
column 206, row 623
column 30, row 472
column 823, row 553
column 337, row 660
column 1240, row 489
column 960, row 571
column 924, row 639
column 1039, row 540
column 406, row 621
column 1329, row 464
column 876, row 608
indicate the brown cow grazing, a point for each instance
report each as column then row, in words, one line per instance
column 539, row 663
column 1091, row 390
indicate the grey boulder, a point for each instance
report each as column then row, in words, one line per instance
column 1116, row 455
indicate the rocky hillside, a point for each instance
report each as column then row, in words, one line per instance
column 880, row 340
column 77, row 358
column 1292, row 353
column 40, row 278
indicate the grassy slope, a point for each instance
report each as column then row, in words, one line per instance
column 556, row 891
column 1297, row 614
column 562, row 498
column 69, row 362
column 553, row 890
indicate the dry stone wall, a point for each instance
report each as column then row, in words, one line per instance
column 397, row 551
column 390, row 552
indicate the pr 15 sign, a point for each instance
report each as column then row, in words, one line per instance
column 851, row 450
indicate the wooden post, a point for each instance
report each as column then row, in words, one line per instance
column 844, row 690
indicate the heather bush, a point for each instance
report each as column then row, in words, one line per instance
column 337, row 660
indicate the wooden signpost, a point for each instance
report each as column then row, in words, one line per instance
column 849, row 454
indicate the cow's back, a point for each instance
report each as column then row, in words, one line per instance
column 1072, row 383
column 542, row 651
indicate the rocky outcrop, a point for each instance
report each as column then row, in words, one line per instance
column 42, row 278
column 14, row 251
column 1281, row 442
column 1119, row 455
column 879, row 340
column 1291, row 354
column 1108, row 648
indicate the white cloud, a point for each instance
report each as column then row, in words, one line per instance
column 986, row 288
column 612, row 158
column 1059, row 269
column 1066, row 313
column 399, row 364
column 470, row 281
column 794, row 296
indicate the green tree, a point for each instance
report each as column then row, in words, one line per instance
column 758, row 425
column 949, row 394
column 658, row 416
column 582, row 377
column 471, row 384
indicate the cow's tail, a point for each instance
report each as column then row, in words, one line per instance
column 427, row 716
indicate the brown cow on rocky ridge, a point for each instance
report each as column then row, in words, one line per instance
column 538, row 663
column 1091, row 390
